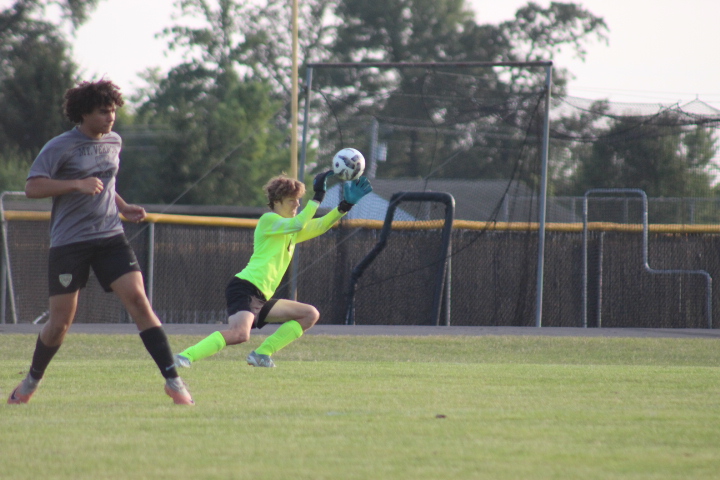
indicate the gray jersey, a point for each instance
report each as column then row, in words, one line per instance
column 78, row 217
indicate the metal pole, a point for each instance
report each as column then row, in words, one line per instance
column 151, row 262
column 6, row 256
column 306, row 114
column 301, row 176
column 601, row 246
column 543, row 199
column 3, row 290
column 646, row 248
column 430, row 64
column 372, row 164
column 585, row 264
column 448, row 286
column 294, row 94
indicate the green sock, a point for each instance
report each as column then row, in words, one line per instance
column 206, row 347
column 288, row 332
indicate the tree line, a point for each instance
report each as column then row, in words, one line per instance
column 216, row 126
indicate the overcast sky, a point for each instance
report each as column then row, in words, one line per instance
column 659, row 51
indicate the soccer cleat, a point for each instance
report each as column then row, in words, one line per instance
column 181, row 361
column 17, row 397
column 177, row 390
column 259, row 360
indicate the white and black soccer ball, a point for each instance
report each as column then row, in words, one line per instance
column 348, row 164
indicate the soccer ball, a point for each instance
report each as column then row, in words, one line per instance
column 348, row 164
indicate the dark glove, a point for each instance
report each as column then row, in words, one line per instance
column 353, row 192
column 320, row 185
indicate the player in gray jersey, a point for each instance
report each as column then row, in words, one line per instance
column 78, row 169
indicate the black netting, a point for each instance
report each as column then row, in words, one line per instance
column 472, row 131
column 476, row 133
column 492, row 282
column 622, row 293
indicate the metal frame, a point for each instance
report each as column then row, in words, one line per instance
column 544, row 153
column 6, row 287
column 646, row 264
column 442, row 283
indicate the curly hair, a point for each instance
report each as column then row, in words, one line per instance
column 88, row 96
column 281, row 187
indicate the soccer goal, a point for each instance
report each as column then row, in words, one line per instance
column 476, row 131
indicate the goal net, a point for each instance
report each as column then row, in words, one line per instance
column 474, row 131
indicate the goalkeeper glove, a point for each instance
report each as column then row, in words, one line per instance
column 353, row 192
column 320, row 185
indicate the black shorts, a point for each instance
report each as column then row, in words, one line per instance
column 243, row 296
column 69, row 265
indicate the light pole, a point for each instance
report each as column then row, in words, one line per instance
column 294, row 94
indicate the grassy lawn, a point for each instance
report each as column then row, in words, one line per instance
column 342, row 407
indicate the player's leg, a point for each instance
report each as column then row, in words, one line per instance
column 62, row 312
column 117, row 270
column 131, row 291
column 243, row 305
column 239, row 325
column 296, row 317
column 284, row 311
column 68, row 270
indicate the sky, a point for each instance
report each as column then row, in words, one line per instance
column 659, row 51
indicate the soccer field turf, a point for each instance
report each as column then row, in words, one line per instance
column 375, row 407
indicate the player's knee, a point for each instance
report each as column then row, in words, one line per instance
column 235, row 337
column 55, row 330
column 138, row 304
column 310, row 318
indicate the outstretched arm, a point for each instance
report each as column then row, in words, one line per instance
column 283, row 226
column 318, row 226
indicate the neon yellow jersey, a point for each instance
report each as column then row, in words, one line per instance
column 274, row 244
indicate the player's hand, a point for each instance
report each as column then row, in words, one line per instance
column 320, row 185
column 320, row 182
column 134, row 213
column 355, row 190
column 90, row 186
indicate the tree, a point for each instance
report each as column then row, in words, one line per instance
column 35, row 71
column 444, row 31
column 13, row 170
column 662, row 154
column 74, row 12
column 38, row 71
column 573, row 136
column 223, row 140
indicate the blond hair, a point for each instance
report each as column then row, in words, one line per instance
column 281, row 187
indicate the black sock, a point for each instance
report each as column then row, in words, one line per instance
column 157, row 345
column 41, row 358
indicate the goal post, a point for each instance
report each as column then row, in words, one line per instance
column 458, row 110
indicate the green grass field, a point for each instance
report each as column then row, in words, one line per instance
column 342, row 407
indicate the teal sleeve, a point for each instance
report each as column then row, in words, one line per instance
column 318, row 226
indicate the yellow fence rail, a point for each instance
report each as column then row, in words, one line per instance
column 405, row 225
